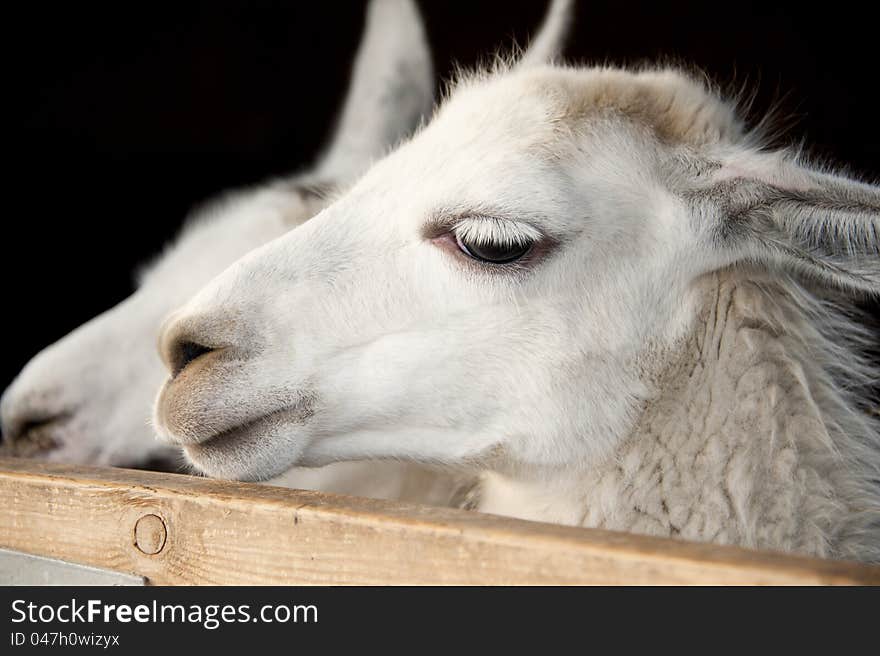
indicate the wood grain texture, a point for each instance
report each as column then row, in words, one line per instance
column 219, row 532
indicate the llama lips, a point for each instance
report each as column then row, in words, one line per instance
column 33, row 440
column 244, row 452
column 267, row 423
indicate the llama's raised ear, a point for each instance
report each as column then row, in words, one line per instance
column 552, row 35
column 391, row 90
column 821, row 225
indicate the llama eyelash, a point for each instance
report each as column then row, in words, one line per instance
column 464, row 239
column 492, row 230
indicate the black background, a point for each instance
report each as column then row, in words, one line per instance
column 124, row 116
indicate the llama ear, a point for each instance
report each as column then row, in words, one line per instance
column 552, row 35
column 390, row 91
column 820, row 225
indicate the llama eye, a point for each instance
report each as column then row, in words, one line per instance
column 493, row 253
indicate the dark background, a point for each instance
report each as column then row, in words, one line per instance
column 125, row 116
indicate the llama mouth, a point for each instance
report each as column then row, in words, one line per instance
column 250, row 433
column 35, row 439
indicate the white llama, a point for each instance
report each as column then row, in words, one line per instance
column 87, row 398
column 594, row 288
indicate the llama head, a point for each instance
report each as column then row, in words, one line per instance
column 499, row 290
column 87, row 398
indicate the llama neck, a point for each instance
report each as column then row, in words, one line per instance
column 734, row 447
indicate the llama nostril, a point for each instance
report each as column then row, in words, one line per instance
column 185, row 338
column 185, row 352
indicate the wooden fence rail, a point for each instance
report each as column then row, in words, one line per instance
column 175, row 529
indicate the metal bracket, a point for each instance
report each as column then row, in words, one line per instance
column 17, row 568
